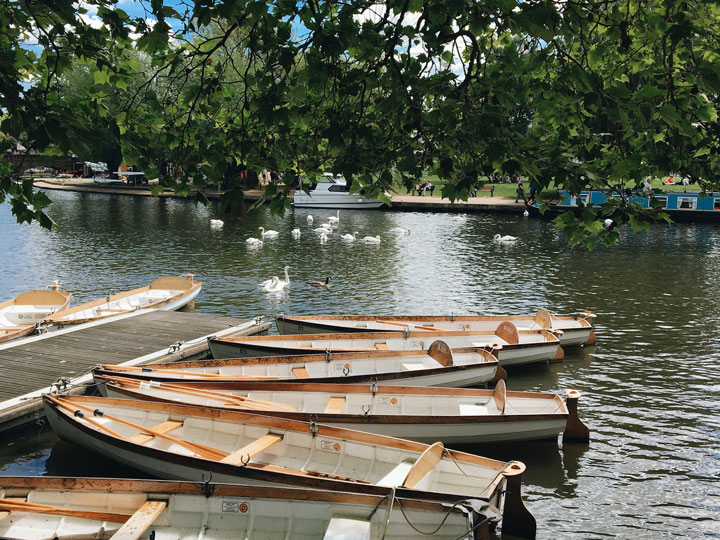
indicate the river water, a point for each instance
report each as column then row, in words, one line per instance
column 650, row 387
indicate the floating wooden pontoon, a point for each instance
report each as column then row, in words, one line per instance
column 450, row 415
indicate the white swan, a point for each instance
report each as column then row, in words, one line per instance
column 526, row 214
column 275, row 284
column 400, row 230
column 335, row 218
column 350, row 237
column 327, row 226
column 216, row 223
column 269, row 234
column 507, row 239
column 323, row 238
column 371, row 239
column 253, row 242
column 323, row 230
column 608, row 223
column 310, row 218
column 296, row 233
column 324, row 284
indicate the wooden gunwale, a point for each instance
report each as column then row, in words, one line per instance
column 207, row 382
column 430, row 318
column 59, row 316
column 360, row 419
column 379, row 335
column 7, row 335
column 22, row 485
column 258, row 472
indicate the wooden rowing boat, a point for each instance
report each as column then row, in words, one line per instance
column 165, row 293
column 424, row 414
column 184, row 442
column 438, row 366
column 33, row 508
column 510, row 345
column 21, row 315
column 570, row 330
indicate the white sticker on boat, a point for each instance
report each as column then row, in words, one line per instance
column 330, row 446
column 388, row 400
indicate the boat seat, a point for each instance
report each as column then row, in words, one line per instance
column 338, row 528
column 165, row 427
column 396, row 476
column 300, row 373
column 382, row 347
column 249, row 451
column 335, row 405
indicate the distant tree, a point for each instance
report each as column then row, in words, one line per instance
column 569, row 94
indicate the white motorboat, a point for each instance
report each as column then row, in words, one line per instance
column 333, row 192
column 42, row 507
column 186, row 443
column 21, row 315
column 571, row 330
column 449, row 415
column 511, row 346
column 438, row 366
column 165, row 293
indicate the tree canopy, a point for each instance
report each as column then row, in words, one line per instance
column 567, row 94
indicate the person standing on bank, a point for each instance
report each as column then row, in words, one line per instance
column 533, row 192
column 520, row 190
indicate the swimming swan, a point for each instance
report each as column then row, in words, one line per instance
column 269, row 234
column 507, row 239
column 310, row 218
column 323, row 230
column 400, row 230
column 216, row 223
column 276, row 284
column 296, row 233
column 323, row 238
column 253, row 242
column 371, row 239
column 350, row 237
column 335, row 218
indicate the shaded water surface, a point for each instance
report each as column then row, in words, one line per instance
column 650, row 387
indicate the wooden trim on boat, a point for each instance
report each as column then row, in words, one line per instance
column 9, row 333
column 336, row 416
column 440, row 334
column 181, row 487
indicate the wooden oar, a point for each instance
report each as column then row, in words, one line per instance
column 414, row 326
column 18, row 506
column 252, row 403
column 189, row 373
column 207, row 452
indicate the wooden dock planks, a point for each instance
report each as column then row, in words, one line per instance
column 29, row 367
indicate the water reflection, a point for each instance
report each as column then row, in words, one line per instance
column 649, row 388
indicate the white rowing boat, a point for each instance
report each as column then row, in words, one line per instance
column 21, row 315
column 572, row 331
column 165, row 293
column 438, row 366
column 183, row 442
column 510, row 345
column 450, row 415
column 33, row 508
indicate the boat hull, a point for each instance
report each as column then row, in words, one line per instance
column 193, row 510
column 507, row 356
column 573, row 332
